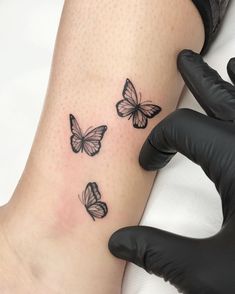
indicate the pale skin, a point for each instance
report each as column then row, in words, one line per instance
column 49, row 243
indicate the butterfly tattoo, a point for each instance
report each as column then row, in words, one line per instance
column 91, row 200
column 90, row 141
column 132, row 107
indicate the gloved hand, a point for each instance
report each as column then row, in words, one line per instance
column 193, row 266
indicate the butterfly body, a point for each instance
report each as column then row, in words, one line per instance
column 90, row 141
column 90, row 214
column 82, row 144
column 91, row 200
column 136, row 108
column 132, row 107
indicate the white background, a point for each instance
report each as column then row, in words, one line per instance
column 184, row 202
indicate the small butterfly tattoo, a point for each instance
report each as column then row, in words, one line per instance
column 91, row 200
column 90, row 141
column 132, row 107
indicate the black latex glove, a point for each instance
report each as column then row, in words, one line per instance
column 193, row 266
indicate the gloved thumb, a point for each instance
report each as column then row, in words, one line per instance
column 165, row 254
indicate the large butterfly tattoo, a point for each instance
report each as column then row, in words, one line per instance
column 91, row 200
column 90, row 141
column 132, row 107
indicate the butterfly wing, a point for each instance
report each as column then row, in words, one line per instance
column 92, row 140
column 149, row 110
column 139, row 120
column 91, row 197
column 76, row 138
column 129, row 92
column 127, row 106
column 98, row 210
column 91, row 194
column 145, row 110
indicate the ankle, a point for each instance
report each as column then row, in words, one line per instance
column 52, row 258
column 15, row 275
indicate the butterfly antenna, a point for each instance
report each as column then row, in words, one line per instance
column 140, row 97
column 79, row 197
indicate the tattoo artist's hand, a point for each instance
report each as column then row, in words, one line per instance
column 193, row 266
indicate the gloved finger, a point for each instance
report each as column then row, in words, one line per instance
column 231, row 69
column 198, row 137
column 157, row 251
column 216, row 96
